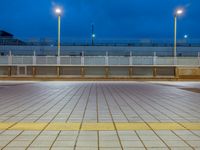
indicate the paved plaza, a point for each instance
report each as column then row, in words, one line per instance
column 107, row 115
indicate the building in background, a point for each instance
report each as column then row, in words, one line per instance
column 7, row 38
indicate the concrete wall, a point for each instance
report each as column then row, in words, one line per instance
column 101, row 72
column 189, row 72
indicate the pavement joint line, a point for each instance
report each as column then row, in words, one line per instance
column 86, row 126
column 24, row 126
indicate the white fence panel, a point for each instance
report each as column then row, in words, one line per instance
column 164, row 61
column 94, row 60
column 188, row 61
column 70, row 60
column 143, row 60
column 3, row 60
column 46, row 60
column 118, row 60
column 100, row 60
column 25, row 60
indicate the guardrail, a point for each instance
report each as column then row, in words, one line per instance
column 98, row 61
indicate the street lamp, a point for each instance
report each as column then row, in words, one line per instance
column 177, row 13
column 93, row 35
column 58, row 12
column 185, row 36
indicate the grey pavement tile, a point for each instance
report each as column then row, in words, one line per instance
column 87, row 143
column 31, row 133
column 195, row 144
column 66, row 138
column 40, row 143
column 183, row 132
column 25, row 138
column 87, row 138
column 176, row 143
column 110, row 144
column 38, row 148
column 68, row 133
column 133, row 148
column 14, row 148
column 197, row 132
column 107, row 133
column 86, row 148
column 7, row 137
column 164, row 132
column 149, row 137
column 154, row 144
column 46, row 138
column 108, row 138
column 16, row 143
column 132, row 144
column 88, row 133
column 146, row 132
column 158, row 148
column 181, row 148
column 129, row 138
column 4, row 143
column 11, row 132
column 64, row 144
column 191, row 138
column 170, row 138
column 49, row 133
column 62, row 148
column 110, row 148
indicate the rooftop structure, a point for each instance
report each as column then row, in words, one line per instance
column 4, row 34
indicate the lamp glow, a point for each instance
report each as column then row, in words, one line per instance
column 58, row 11
column 185, row 36
column 179, row 11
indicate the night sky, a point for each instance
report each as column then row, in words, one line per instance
column 113, row 19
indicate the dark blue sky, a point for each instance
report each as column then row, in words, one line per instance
column 117, row 19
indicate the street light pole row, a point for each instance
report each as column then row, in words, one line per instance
column 178, row 12
column 58, row 11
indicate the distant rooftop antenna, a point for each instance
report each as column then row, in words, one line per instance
column 93, row 35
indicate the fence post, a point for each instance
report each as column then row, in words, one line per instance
column 58, row 60
column 10, row 58
column 82, row 59
column 34, row 64
column 106, row 59
column 154, row 58
column 130, row 59
column 10, row 64
column 199, row 57
column 34, row 58
column 175, row 61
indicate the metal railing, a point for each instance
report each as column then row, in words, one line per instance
column 99, row 42
column 99, row 61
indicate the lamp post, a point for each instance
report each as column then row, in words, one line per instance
column 177, row 13
column 58, row 12
column 93, row 35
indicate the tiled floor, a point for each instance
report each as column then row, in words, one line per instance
column 99, row 115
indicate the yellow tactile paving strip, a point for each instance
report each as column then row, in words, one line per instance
column 98, row 126
column 63, row 126
column 28, row 126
